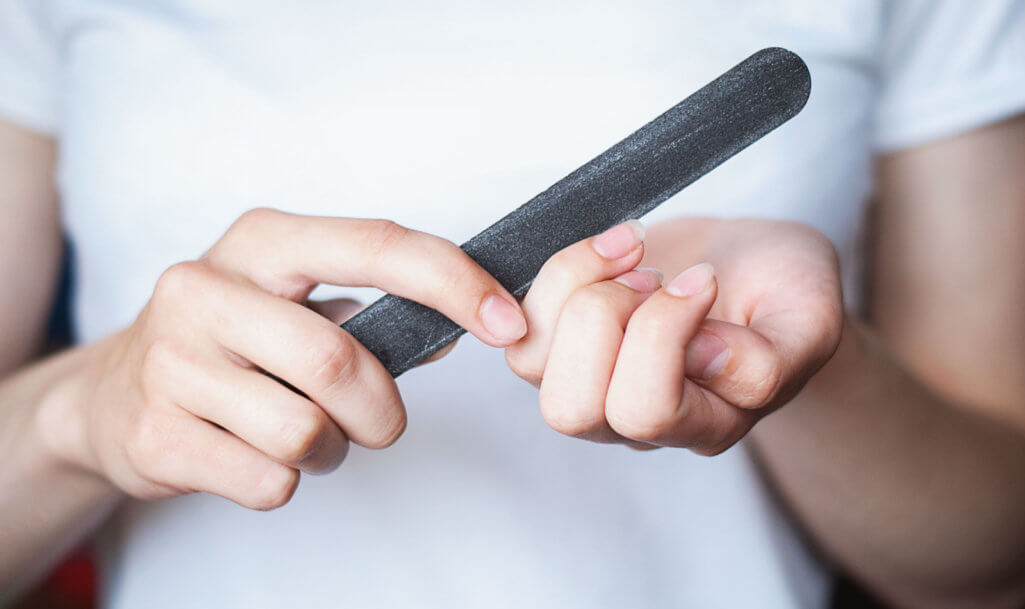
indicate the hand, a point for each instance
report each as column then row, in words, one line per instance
column 620, row 358
column 178, row 402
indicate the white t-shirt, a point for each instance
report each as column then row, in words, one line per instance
column 175, row 116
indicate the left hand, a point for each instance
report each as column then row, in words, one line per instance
column 620, row 358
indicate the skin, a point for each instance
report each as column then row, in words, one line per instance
column 919, row 420
column 873, row 456
column 608, row 358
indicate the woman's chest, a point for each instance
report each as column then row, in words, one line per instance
column 179, row 116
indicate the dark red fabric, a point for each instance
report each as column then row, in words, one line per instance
column 71, row 586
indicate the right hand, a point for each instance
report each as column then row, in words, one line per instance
column 178, row 402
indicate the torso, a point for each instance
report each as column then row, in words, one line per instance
column 180, row 115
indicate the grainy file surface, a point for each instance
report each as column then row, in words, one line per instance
column 626, row 181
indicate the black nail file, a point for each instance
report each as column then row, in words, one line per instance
column 626, row 181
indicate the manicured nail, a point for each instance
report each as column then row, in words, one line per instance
column 692, row 281
column 642, row 280
column 503, row 320
column 619, row 240
column 706, row 356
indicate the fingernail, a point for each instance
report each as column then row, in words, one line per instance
column 503, row 320
column 619, row 240
column 642, row 280
column 692, row 281
column 706, row 356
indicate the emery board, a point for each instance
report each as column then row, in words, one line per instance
column 626, row 181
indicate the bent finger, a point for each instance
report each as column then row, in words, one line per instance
column 598, row 258
column 646, row 398
column 280, row 423
column 211, row 460
column 310, row 353
column 583, row 354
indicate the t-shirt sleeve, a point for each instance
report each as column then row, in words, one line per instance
column 28, row 65
column 948, row 66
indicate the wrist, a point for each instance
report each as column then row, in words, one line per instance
column 59, row 424
column 824, row 391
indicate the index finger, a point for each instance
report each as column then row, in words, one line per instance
column 288, row 255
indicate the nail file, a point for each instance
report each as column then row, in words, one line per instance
column 626, row 181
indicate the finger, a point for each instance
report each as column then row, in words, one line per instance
column 188, row 454
column 602, row 257
column 300, row 347
column 288, row 255
column 584, row 350
column 763, row 365
column 324, row 362
column 648, row 398
column 336, row 309
column 278, row 422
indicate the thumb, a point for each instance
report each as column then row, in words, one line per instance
column 763, row 365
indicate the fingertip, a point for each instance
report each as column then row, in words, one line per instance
column 620, row 240
column 503, row 320
column 693, row 281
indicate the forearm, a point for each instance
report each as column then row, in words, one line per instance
column 47, row 505
column 918, row 497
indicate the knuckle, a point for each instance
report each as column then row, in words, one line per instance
column 570, row 258
column 247, row 227
column 564, row 267
column 651, row 325
column 766, row 380
column 180, row 281
column 275, row 489
column 561, row 269
column 254, row 219
column 591, row 304
column 334, row 362
column 641, row 424
column 380, row 236
column 301, row 438
column 453, row 276
column 160, row 362
column 568, row 420
column 145, row 445
column 636, row 429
